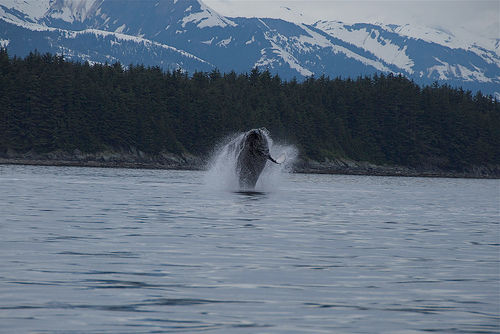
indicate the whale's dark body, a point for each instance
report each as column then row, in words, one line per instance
column 252, row 156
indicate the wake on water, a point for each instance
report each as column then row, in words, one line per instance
column 222, row 173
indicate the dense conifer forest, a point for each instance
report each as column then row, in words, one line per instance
column 49, row 104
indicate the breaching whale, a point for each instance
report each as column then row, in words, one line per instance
column 252, row 155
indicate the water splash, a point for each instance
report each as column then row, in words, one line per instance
column 222, row 175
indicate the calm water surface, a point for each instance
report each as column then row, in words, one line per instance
column 88, row 250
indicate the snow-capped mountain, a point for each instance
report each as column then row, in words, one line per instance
column 189, row 35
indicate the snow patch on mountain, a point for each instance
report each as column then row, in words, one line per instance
column 125, row 37
column 316, row 39
column 9, row 16
column 279, row 53
column 370, row 41
column 72, row 34
column 443, row 70
column 33, row 9
column 446, row 71
column 121, row 28
column 250, row 41
column 376, row 64
column 269, row 60
column 488, row 56
column 208, row 42
column 472, row 75
column 292, row 15
column 488, row 49
column 25, row 24
column 225, row 42
column 70, row 10
column 207, row 17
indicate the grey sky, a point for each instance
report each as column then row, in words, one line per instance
column 481, row 18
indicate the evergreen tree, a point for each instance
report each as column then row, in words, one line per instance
column 48, row 104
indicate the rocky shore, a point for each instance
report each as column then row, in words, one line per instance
column 137, row 159
column 131, row 158
column 350, row 167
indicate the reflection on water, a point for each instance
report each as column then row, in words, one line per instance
column 251, row 193
column 139, row 251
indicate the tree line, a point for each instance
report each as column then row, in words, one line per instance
column 48, row 104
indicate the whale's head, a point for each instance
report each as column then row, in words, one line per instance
column 257, row 143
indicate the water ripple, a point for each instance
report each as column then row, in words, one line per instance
column 89, row 250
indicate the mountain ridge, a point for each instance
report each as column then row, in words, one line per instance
column 330, row 48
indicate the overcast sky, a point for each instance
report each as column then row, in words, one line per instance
column 476, row 16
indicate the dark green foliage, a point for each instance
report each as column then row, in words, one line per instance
column 49, row 104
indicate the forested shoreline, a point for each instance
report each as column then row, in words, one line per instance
column 48, row 104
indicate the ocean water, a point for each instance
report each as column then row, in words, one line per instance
column 90, row 250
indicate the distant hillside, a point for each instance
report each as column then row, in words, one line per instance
column 48, row 104
column 190, row 36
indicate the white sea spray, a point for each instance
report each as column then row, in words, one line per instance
column 221, row 172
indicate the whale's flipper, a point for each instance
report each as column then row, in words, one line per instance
column 278, row 161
